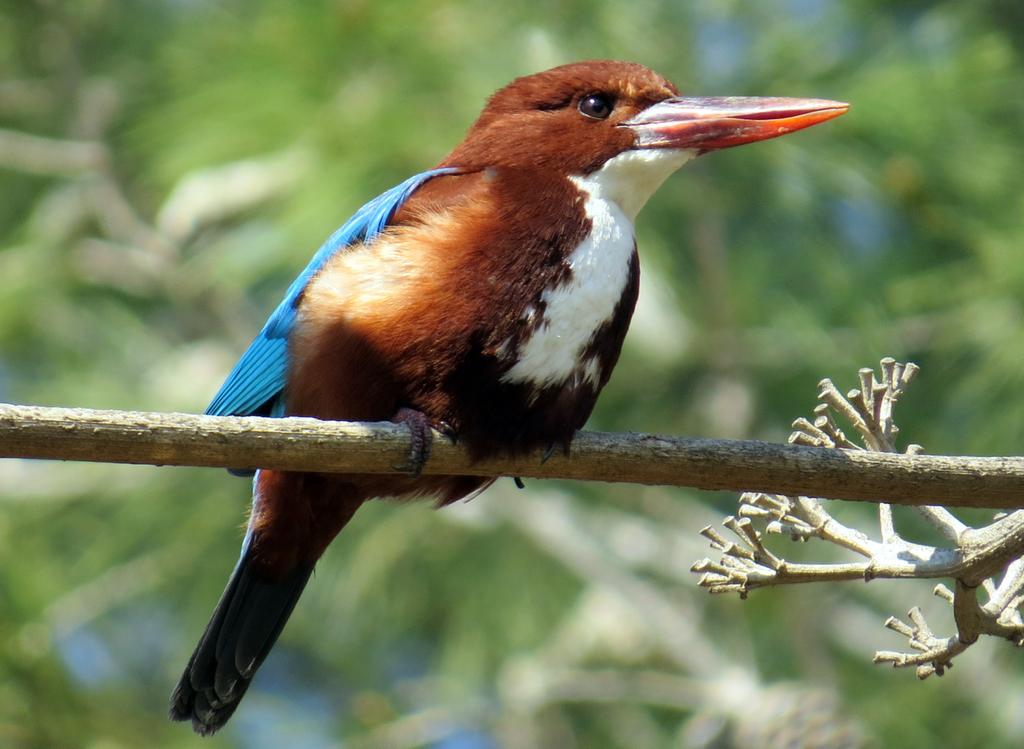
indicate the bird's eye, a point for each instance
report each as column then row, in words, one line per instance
column 595, row 106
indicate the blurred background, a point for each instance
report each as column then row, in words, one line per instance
column 167, row 166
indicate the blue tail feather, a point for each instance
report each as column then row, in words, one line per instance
column 248, row 619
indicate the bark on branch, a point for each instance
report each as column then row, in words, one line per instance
column 313, row 445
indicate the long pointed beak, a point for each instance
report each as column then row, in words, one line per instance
column 713, row 122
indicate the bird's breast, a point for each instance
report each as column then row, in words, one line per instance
column 569, row 317
column 501, row 314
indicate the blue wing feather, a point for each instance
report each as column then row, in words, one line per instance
column 258, row 379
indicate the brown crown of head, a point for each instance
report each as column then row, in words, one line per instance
column 564, row 119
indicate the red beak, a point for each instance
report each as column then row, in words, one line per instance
column 712, row 122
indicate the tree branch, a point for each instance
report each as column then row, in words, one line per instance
column 312, row 445
column 987, row 557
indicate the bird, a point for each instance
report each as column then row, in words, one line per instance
column 486, row 298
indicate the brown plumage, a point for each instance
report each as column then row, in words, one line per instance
column 492, row 306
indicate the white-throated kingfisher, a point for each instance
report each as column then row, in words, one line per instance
column 487, row 297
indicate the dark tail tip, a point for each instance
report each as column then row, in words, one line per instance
column 244, row 626
column 207, row 710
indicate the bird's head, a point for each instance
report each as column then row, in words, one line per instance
column 623, row 122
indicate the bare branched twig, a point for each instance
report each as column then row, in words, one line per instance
column 987, row 557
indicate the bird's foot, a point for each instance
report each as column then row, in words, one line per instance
column 447, row 430
column 422, row 438
column 420, row 442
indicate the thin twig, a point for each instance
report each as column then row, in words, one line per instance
column 976, row 558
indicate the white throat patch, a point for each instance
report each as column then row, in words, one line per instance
column 576, row 310
column 632, row 177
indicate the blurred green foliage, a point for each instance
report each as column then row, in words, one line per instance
column 166, row 166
